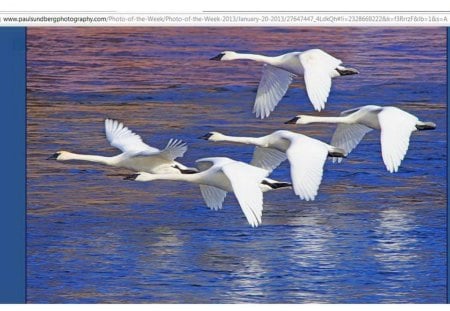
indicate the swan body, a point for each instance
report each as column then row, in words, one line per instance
column 219, row 175
column 317, row 67
column 396, row 126
column 306, row 156
column 136, row 155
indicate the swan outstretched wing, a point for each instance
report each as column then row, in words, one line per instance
column 396, row 128
column 267, row 158
column 121, row 137
column 213, row 196
column 175, row 149
column 348, row 136
column 318, row 67
column 306, row 159
column 245, row 180
column 272, row 87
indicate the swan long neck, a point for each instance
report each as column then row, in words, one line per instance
column 316, row 119
column 255, row 57
column 257, row 141
column 89, row 158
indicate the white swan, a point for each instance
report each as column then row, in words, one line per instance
column 306, row 156
column 396, row 126
column 136, row 155
column 317, row 67
column 220, row 175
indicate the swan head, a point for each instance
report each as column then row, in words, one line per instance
column 225, row 55
column 213, row 136
column 300, row 119
column 141, row 176
column 60, row 156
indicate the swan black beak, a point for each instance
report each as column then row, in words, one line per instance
column 217, row 57
column 54, row 156
column 131, row 177
column 206, row 136
column 292, row 121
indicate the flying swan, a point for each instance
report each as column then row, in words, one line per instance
column 306, row 156
column 136, row 155
column 220, row 175
column 396, row 126
column 317, row 67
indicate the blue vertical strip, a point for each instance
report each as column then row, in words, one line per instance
column 448, row 167
column 13, row 159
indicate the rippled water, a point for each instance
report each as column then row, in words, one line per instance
column 369, row 237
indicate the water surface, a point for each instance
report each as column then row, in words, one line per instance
column 369, row 237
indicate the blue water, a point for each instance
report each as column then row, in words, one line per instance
column 369, row 237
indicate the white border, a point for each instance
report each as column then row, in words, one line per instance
column 221, row 5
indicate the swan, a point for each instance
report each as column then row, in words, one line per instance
column 306, row 156
column 136, row 155
column 317, row 67
column 219, row 175
column 396, row 126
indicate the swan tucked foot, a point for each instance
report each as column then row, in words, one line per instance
column 276, row 184
column 426, row 126
column 337, row 153
column 347, row 71
column 186, row 170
